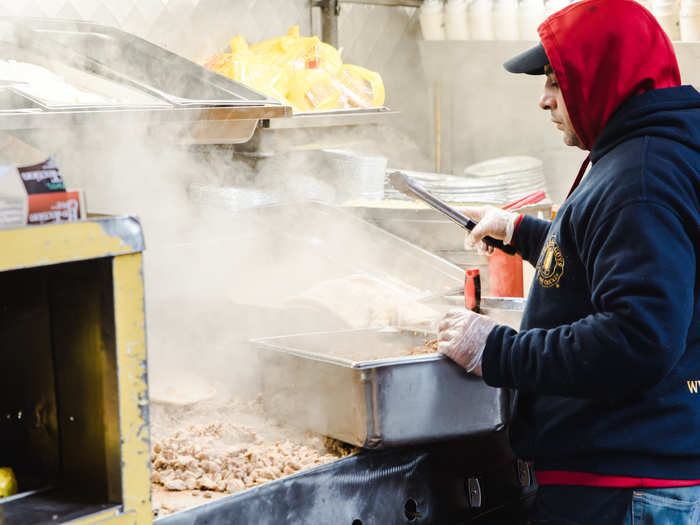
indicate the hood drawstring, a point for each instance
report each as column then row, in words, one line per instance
column 581, row 172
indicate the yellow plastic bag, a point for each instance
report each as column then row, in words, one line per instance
column 301, row 71
column 299, row 53
column 326, row 57
column 276, row 46
column 267, row 78
column 225, row 64
column 255, row 71
column 313, row 90
column 239, row 45
column 8, row 482
column 361, row 87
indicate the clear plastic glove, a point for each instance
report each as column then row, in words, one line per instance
column 493, row 222
column 462, row 337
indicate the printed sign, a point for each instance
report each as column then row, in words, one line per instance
column 42, row 178
column 55, row 207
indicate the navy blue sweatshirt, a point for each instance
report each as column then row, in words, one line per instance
column 607, row 359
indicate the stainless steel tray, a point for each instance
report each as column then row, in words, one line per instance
column 165, row 90
column 332, row 383
column 124, row 97
column 131, row 60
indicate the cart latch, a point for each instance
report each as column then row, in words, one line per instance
column 523, row 473
column 474, row 493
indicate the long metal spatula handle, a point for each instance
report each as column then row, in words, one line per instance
column 408, row 186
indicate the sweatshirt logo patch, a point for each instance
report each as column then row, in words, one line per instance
column 550, row 266
column 694, row 386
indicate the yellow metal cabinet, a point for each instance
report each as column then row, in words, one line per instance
column 73, row 387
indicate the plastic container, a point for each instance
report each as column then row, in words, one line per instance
column 355, row 176
column 505, row 19
column 690, row 20
column 690, row 28
column 505, row 275
column 456, row 24
column 667, row 12
column 530, row 16
column 481, row 20
column 432, row 20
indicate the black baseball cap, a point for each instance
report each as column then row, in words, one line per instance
column 530, row 62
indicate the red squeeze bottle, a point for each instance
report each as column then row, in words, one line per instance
column 472, row 289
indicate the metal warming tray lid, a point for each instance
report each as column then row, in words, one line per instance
column 341, row 384
column 139, row 81
column 328, row 242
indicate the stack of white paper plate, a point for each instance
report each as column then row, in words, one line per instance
column 518, row 175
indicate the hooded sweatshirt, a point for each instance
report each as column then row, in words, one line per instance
column 607, row 361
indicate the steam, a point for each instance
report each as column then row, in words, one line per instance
column 218, row 273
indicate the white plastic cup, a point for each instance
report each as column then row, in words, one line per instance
column 530, row 16
column 505, row 20
column 690, row 20
column 690, row 28
column 690, row 8
column 481, row 20
column 432, row 21
column 456, row 24
column 552, row 6
column 667, row 12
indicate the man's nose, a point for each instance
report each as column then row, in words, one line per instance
column 547, row 101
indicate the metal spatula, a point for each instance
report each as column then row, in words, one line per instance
column 408, row 186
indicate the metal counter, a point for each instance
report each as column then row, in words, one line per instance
column 469, row 481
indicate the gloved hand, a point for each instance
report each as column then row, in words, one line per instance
column 494, row 222
column 462, row 337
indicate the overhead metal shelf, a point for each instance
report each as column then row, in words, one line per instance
column 339, row 117
column 390, row 3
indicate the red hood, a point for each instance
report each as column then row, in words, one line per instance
column 603, row 52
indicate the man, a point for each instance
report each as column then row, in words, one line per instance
column 606, row 364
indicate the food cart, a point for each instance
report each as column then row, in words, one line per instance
column 76, row 409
